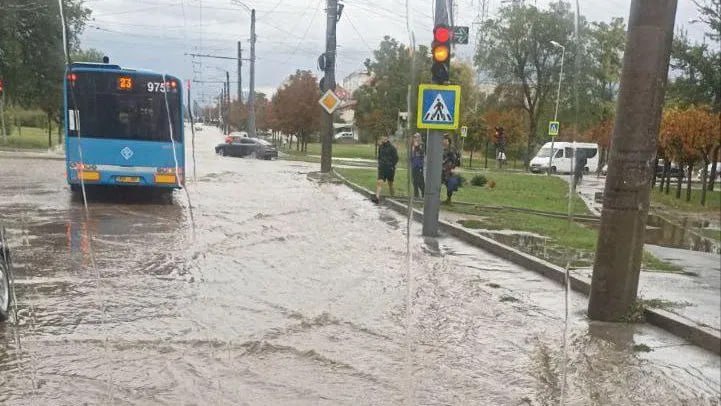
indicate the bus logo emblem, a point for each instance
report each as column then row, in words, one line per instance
column 127, row 153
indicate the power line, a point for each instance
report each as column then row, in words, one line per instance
column 359, row 34
column 305, row 34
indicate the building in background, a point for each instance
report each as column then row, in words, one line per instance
column 351, row 83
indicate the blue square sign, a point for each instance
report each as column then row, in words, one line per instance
column 439, row 107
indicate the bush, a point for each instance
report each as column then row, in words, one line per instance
column 29, row 118
column 479, row 180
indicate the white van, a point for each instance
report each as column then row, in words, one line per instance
column 563, row 153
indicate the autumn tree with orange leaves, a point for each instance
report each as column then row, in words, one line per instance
column 687, row 137
column 295, row 108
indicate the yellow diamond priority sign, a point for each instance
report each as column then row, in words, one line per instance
column 329, row 101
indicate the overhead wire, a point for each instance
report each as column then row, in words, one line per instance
column 305, row 34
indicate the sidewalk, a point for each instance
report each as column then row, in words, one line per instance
column 695, row 294
column 53, row 154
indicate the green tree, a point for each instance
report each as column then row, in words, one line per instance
column 386, row 94
column 517, row 53
column 601, row 72
column 696, row 77
column 87, row 55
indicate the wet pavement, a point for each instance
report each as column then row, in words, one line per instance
column 283, row 290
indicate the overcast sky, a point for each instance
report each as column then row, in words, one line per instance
column 156, row 34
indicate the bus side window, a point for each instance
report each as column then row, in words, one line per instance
column 559, row 154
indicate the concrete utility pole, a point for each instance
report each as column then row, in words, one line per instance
column 227, row 102
column 329, row 84
column 251, row 92
column 633, row 149
column 240, row 73
column 434, row 150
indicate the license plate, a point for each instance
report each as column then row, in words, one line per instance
column 128, row 179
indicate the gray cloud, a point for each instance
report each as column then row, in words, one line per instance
column 156, row 34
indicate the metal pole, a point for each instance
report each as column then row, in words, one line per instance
column 434, row 152
column 558, row 99
column 2, row 117
column 240, row 73
column 227, row 101
column 251, row 91
column 330, row 49
column 633, row 150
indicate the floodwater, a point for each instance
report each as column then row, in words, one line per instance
column 290, row 291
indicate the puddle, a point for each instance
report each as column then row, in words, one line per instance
column 541, row 247
column 660, row 231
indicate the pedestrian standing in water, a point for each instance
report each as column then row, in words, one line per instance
column 450, row 162
column 387, row 160
column 418, row 155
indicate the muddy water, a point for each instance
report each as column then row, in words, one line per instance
column 292, row 292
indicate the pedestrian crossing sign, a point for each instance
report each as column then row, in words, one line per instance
column 438, row 107
column 553, row 128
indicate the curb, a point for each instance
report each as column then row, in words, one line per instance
column 703, row 337
column 29, row 155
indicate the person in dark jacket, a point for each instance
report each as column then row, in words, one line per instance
column 418, row 155
column 387, row 160
column 451, row 160
column 580, row 168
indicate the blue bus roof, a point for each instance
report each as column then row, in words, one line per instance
column 99, row 67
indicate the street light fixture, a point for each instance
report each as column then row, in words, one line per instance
column 558, row 98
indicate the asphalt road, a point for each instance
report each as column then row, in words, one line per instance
column 274, row 288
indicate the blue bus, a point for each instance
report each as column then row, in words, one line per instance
column 124, row 127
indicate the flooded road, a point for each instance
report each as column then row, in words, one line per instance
column 285, row 290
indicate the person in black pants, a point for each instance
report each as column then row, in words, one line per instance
column 451, row 160
column 418, row 155
column 387, row 160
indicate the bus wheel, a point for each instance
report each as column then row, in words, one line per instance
column 586, row 171
column 553, row 169
column 4, row 286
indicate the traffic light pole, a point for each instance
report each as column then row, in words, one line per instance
column 434, row 151
column 329, row 81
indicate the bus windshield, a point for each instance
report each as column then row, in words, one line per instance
column 128, row 106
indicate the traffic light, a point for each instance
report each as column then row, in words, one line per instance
column 441, row 49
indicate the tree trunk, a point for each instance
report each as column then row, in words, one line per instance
column 666, row 168
column 470, row 162
column 679, row 186
column 655, row 165
column 485, row 165
column 688, row 182
column 704, row 178
column 664, row 177
column 533, row 126
column 50, row 132
column 714, row 173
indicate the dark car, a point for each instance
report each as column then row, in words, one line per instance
column 250, row 147
column 673, row 171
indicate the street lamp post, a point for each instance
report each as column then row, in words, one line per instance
column 251, row 90
column 558, row 99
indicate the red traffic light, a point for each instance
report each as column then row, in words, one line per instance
column 442, row 33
